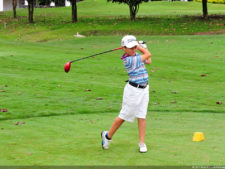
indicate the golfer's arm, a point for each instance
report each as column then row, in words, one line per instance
column 148, row 61
column 146, row 54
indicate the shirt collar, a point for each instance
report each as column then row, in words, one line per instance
column 124, row 56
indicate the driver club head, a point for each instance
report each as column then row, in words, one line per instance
column 67, row 67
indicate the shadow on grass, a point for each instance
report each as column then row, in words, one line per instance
column 187, row 111
column 117, row 25
column 106, row 111
column 56, row 114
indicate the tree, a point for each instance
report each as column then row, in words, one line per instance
column 74, row 10
column 204, row 9
column 31, row 11
column 133, row 6
column 37, row 3
column 14, row 4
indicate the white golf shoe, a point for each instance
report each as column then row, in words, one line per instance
column 142, row 148
column 105, row 141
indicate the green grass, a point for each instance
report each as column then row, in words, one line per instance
column 63, row 121
column 102, row 8
column 34, row 72
column 154, row 18
column 75, row 140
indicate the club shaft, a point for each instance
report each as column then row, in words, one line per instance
column 95, row 55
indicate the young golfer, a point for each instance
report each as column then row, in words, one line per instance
column 136, row 91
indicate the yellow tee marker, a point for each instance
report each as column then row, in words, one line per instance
column 198, row 136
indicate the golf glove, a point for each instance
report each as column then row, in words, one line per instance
column 143, row 44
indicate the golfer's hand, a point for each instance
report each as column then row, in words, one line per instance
column 142, row 44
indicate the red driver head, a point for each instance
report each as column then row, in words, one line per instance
column 67, row 67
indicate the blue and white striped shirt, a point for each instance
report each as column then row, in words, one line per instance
column 136, row 69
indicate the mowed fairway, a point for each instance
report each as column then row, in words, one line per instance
column 75, row 140
column 60, row 115
column 63, row 120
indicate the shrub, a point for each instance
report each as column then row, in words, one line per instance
column 47, row 2
column 44, row 2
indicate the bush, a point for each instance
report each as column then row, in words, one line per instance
column 213, row 1
column 57, row 2
column 44, row 2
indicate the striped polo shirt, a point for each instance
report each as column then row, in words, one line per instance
column 135, row 69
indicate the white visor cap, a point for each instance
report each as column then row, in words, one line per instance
column 129, row 41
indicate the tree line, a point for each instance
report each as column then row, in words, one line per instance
column 133, row 7
column 31, row 5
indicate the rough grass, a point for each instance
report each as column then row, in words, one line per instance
column 102, row 18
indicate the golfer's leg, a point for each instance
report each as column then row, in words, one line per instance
column 116, row 124
column 141, row 127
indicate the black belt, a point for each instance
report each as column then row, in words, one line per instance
column 137, row 85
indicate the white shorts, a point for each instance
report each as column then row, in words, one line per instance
column 135, row 103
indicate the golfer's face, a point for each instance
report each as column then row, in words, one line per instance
column 131, row 51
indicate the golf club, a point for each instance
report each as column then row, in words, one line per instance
column 68, row 64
